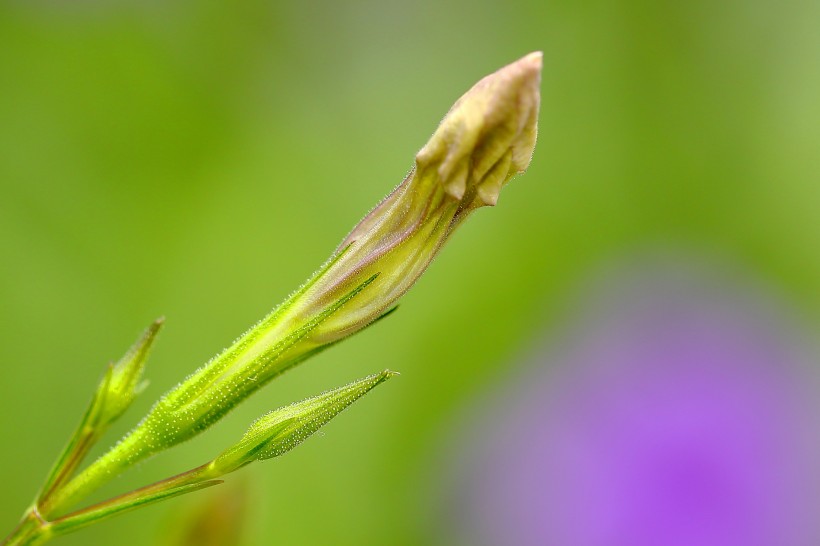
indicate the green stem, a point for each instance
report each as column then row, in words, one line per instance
column 81, row 441
column 69, row 461
column 34, row 529
column 276, row 344
column 192, row 480
column 31, row 530
column 109, row 465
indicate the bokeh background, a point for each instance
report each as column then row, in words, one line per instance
column 198, row 160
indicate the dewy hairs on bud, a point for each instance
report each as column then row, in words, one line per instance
column 485, row 139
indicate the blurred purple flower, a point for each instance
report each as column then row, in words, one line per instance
column 679, row 411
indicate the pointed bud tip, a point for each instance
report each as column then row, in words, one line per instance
column 526, row 71
column 155, row 327
column 533, row 62
column 488, row 135
column 125, row 376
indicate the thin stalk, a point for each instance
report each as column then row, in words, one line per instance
column 30, row 531
column 34, row 529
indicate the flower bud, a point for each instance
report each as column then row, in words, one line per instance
column 485, row 139
column 281, row 430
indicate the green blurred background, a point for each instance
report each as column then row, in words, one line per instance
column 200, row 160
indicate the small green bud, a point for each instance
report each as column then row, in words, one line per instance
column 283, row 429
column 115, row 393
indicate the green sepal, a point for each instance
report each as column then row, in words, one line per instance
column 126, row 377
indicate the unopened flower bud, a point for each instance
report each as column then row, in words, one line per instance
column 485, row 139
column 283, row 429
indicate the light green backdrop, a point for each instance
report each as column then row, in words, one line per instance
column 199, row 160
